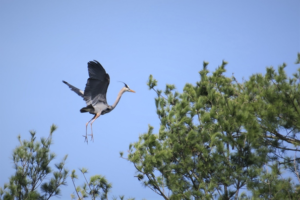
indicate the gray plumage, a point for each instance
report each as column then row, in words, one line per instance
column 95, row 92
column 75, row 89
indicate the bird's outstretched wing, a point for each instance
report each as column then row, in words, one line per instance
column 97, row 84
column 75, row 89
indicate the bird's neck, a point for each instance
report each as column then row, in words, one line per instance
column 118, row 98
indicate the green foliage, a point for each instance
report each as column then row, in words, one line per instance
column 268, row 186
column 298, row 59
column 219, row 136
column 96, row 187
column 31, row 180
column 152, row 82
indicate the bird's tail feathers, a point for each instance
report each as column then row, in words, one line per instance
column 89, row 108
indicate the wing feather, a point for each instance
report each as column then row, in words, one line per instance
column 75, row 89
column 97, row 84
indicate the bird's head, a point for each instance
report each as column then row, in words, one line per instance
column 127, row 88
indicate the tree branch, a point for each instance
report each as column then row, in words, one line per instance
column 289, row 140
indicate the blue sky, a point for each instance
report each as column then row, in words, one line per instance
column 45, row 42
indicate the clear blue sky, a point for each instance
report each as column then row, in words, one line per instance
column 45, row 42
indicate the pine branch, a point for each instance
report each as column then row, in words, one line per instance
column 86, row 180
column 287, row 139
column 296, row 171
column 75, row 189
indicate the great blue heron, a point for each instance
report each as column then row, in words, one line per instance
column 95, row 93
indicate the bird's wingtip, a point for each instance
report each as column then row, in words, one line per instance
column 94, row 62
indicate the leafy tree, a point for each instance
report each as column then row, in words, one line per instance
column 91, row 188
column 219, row 137
column 31, row 161
column 96, row 187
column 275, row 101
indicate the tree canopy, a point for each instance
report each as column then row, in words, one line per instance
column 31, row 161
column 223, row 139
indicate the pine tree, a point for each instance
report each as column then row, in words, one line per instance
column 31, row 161
column 217, row 138
column 275, row 101
column 98, row 186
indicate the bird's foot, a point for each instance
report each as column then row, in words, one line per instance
column 92, row 137
column 85, row 138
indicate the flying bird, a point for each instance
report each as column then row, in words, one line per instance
column 95, row 93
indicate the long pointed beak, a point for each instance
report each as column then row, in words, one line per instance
column 132, row 91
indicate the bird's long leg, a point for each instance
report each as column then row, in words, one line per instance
column 96, row 116
column 86, row 125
